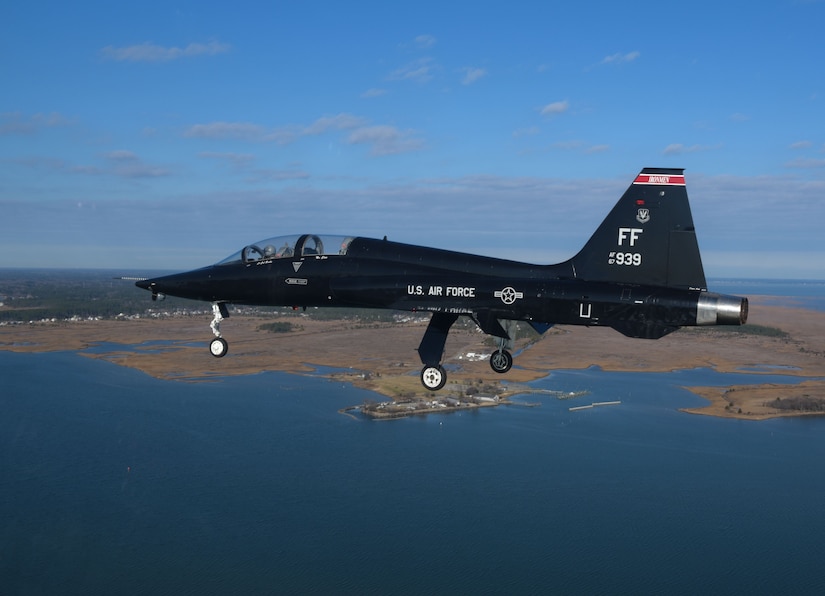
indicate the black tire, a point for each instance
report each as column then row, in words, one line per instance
column 433, row 377
column 501, row 361
column 218, row 347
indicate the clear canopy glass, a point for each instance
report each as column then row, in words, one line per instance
column 290, row 247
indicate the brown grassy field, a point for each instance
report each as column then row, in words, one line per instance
column 383, row 357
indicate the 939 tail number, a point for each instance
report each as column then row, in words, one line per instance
column 631, row 259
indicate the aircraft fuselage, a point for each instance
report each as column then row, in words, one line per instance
column 391, row 275
column 640, row 273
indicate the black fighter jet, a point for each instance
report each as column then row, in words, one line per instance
column 640, row 273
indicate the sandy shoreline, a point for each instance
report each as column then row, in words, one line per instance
column 383, row 357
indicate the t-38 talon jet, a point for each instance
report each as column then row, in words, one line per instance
column 640, row 273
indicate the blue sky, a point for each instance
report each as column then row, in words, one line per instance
column 170, row 134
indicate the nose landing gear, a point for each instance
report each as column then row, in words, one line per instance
column 218, row 347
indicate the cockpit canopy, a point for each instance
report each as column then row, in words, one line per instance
column 290, row 247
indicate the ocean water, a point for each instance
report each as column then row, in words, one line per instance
column 112, row 482
column 805, row 293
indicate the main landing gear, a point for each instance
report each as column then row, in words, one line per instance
column 431, row 349
column 433, row 377
column 501, row 361
column 218, row 347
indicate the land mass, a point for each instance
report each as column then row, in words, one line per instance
column 381, row 356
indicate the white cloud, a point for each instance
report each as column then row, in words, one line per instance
column 801, row 145
column 225, row 130
column 277, row 175
column 568, row 145
column 242, row 131
column 121, row 163
column 237, row 160
column 806, row 163
column 121, row 155
column 425, row 42
column 526, row 132
column 419, row 71
column 557, row 107
column 385, row 140
column 621, row 58
column 341, row 121
column 126, row 164
column 17, row 123
column 680, row 149
column 374, row 92
column 472, row 74
column 733, row 216
column 149, row 52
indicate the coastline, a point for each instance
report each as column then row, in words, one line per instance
column 381, row 357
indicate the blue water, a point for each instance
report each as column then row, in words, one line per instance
column 112, row 482
column 805, row 293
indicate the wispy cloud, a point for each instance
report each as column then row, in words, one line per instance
column 425, row 42
column 242, row 163
column 806, row 164
column 121, row 163
column 526, row 132
column 237, row 160
column 341, row 121
column 472, row 74
column 680, row 149
column 801, row 145
column 620, row 58
column 150, row 52
column 243, row 131
column 17, row 123
column 385, row 140
column 374, row 92
column 572, row 145
column 226, row 130
column 557, row 107
column 126, row 164
column 277, row 175
column 419, row 71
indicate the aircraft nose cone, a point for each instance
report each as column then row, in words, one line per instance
column 196, row 285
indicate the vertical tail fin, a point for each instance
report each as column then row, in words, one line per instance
column 648, row 238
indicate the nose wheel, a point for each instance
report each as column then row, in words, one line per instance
column 218, row 347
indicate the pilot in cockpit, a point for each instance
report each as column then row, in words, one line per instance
column 285, row 251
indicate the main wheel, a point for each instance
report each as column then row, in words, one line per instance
column 433, row 377
column 501, row 361
column 218, row 347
